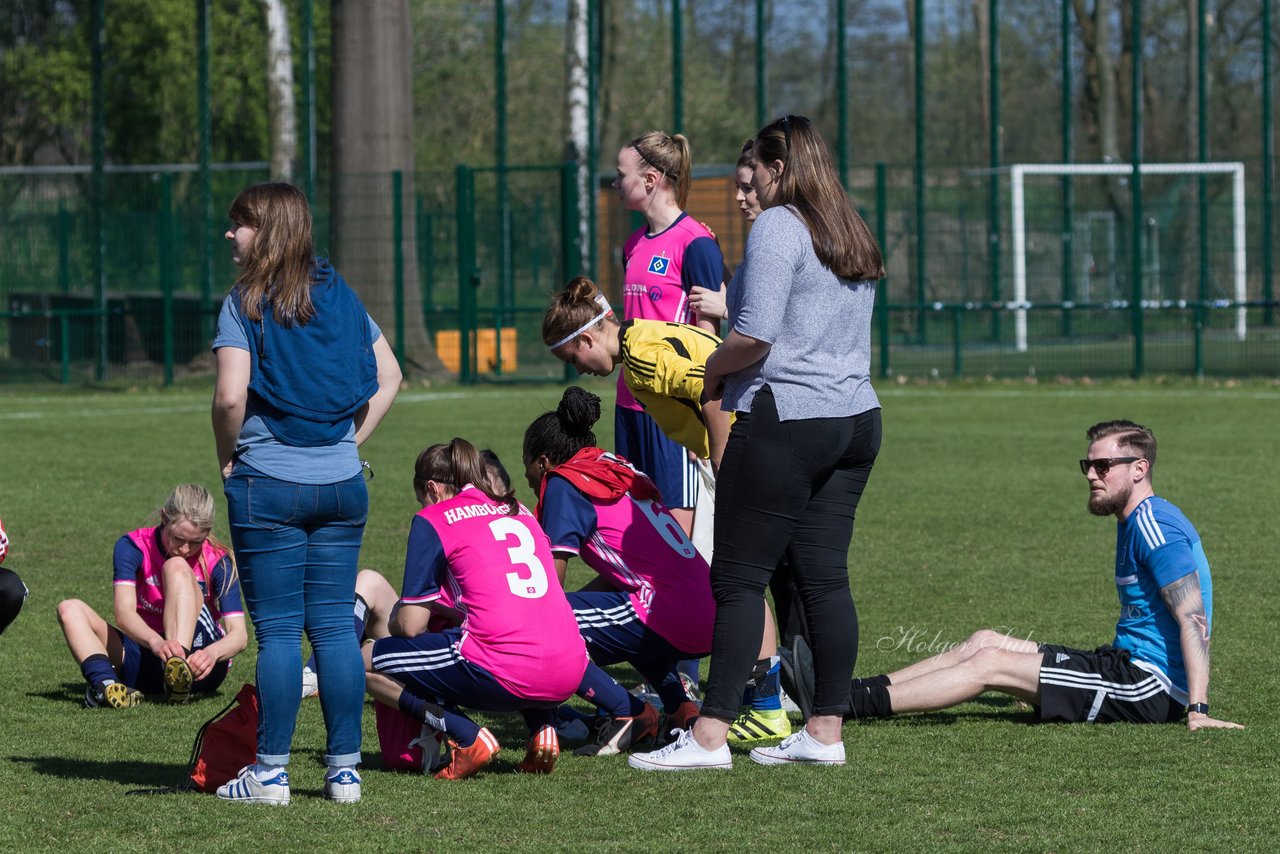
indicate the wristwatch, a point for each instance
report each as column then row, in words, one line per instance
column 1202, row 708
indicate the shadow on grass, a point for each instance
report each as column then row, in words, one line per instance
column 69, row 692
column 128, row 772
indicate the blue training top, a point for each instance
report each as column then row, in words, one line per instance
column 258, row 445
column 1155, row 546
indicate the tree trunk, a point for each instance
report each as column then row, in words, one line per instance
column 578, row 144
column 280, row 107
column 372, row 140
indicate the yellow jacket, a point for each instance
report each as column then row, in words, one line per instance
column 663, row 364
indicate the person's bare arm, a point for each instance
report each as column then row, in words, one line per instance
column 1186, row 603
column 389, row 376
column 230, row 394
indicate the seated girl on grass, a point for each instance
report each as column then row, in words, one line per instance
column 173, row 584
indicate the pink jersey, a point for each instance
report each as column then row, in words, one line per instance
column 221, row 594
column 499, row 571
column 637, row 546
column 659, row 270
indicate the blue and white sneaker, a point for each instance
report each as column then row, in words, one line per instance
column 247, row 788
column 342, row 786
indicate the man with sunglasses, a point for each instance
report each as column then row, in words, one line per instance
column 1156, row 670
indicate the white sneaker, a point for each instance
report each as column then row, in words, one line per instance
column 800, row 748
column 342, row 786
column 310, row 683
column 682, row 754
column 247, row 788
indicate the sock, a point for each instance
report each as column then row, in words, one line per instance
column 863, row 681
column 670, row 689
column 766, row 697
column 263, row 773
column 98, row 671
column 871, row 701
column 458, row 726
column 600, row 689
column 689, row 667
column 536, row 719
column 361, row 617
column 335, row 770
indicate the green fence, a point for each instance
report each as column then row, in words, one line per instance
column 488, row 246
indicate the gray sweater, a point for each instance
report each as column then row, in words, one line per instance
column 818, row 325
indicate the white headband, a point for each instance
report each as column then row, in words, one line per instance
column 605, row 311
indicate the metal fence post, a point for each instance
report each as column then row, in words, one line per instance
column 1068, row 189
column 167, row 244
column 570, row 225
column 98, row 195
column 922, row 331
column 993, row 181
column 882, row 288
column 957, row 332
column 465, row 214
column 1139, row 225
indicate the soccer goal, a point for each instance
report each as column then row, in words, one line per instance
column 1019, row 172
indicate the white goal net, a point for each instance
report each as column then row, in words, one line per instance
column 1106, row 229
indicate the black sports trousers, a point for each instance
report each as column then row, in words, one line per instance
column 787, row 488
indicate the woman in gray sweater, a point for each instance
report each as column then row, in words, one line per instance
column 795, row 367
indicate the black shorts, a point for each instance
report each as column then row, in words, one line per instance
column 1102, row 686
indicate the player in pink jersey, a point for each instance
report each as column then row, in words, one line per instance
column 518, row 647
column 651, row 605
column 173, row 584
column 663, row 260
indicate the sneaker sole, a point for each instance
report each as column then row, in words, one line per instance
column 124, row 698
column 766, row 759
column 271, row 802
column 637, row 762
column 342, row 797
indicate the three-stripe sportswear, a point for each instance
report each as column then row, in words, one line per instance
column 1155, row 546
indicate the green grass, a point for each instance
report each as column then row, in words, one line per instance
column 974, row 517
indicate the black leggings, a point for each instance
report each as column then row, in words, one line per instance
column 12, row 594
column 787, row 488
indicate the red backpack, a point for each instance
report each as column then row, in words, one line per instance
column 227, row 742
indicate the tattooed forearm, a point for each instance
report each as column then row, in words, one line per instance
column 1187, row 606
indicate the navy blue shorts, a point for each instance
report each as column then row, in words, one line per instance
column 612, row 629
column 1100, row 686
column 637, row 438
column 144, row 671
column 429, row 665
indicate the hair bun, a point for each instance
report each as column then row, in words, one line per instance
column 579, row 410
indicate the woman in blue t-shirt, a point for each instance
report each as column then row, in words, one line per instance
column 304, row 377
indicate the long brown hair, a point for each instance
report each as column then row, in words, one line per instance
column 670, row 155
column 573, row 308
column 810, row 184
column 279, row 266
column 456, row 464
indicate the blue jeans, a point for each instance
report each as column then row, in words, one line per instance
column 297, row 546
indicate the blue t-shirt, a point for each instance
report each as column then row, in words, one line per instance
column 426, row 566
column 260, row 449
column 568, row 516
column 1155, row 546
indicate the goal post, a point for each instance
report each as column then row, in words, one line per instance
column 1018, row 173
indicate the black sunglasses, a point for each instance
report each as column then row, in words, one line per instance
column 1102, row 465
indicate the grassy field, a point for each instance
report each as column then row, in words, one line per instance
column 975, row 517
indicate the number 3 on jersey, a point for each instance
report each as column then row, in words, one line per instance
column 533, row 586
